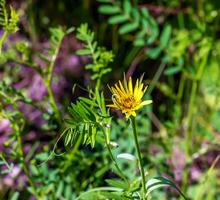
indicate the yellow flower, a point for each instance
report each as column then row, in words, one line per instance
column 128, row 99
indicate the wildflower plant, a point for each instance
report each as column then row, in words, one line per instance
column 64, row 142
column 128, row 99
column 90, row 120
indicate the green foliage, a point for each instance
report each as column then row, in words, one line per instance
column 158, row 182
column 8, row 20
column 10, row 95
column 183, row 120
column 3, row 162
column 88, row 120
column 100, row 56
column 56, row 37
column 132, row 20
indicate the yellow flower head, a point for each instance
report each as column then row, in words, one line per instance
column 127, row 98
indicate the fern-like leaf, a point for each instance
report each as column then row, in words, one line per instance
column 3, row 14
column 13, row 21
column 88, row 118
column 100, row 56
column 8, row 19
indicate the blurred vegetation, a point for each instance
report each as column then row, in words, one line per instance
column 175, row 43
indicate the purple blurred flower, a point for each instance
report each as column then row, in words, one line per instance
column 195, row 173
column 32, row 114
column 15, row 178
column 33, row 82
column 37, row 89
column 178, row 161
column 4, row 126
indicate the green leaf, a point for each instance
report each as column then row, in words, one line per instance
column 215, row 120
column 67, row 192
column 34, row 170
column 153, row 30
column 126, row 156
column 88, row 101
column 139, row 42
column 117, row 183
column 109, row 9
column 127, row 6
column 68, row 138
column 135, row 15
column 129, row 27
column 112, row 195
column 165, row 36
column 70, row 30
column 153, row 52
column 117, row 19
column 83, row 52
column 60, row 189
column 145, row 13
column 93, row 137
column 42, row 156
column 89, row 194
column 15, row 196
column 158, row 182
column 172, row 70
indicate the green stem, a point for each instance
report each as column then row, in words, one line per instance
column 112, row 157
column 181, row 88
column 54, row 104
column 156, row 78
column 133, row 123
column 98, row 83
column 22, row 158
column 48, row 83
column 4, row 36
column 189, row 117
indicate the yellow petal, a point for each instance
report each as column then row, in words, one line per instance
column 121, row 91
column 130, row 87
column 125, row 84
column 112, row 106
column 121, row 87
column 136, row 88
column 133, row 114
column 140, row 93
column 144, row 103
column 115, row 92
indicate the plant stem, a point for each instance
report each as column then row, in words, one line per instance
column 4, row 36
column 133, row 123
column 22, row 158
column 181, row 88
column 48, row 83
column 189, row 117
column 54, row 104
column 112, row 157
column 156, row 78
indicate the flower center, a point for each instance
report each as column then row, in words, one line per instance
column 128, row 102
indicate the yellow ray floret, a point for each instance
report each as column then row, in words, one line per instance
column 127, row 98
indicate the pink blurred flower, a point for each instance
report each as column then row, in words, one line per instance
column 178, row 161
column 4, row 126
column 195, row 173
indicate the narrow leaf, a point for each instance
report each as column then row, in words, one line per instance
column 109, row 10
column 126, row 156
column 129, row 27
column 117, row 19
column 165, row 36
